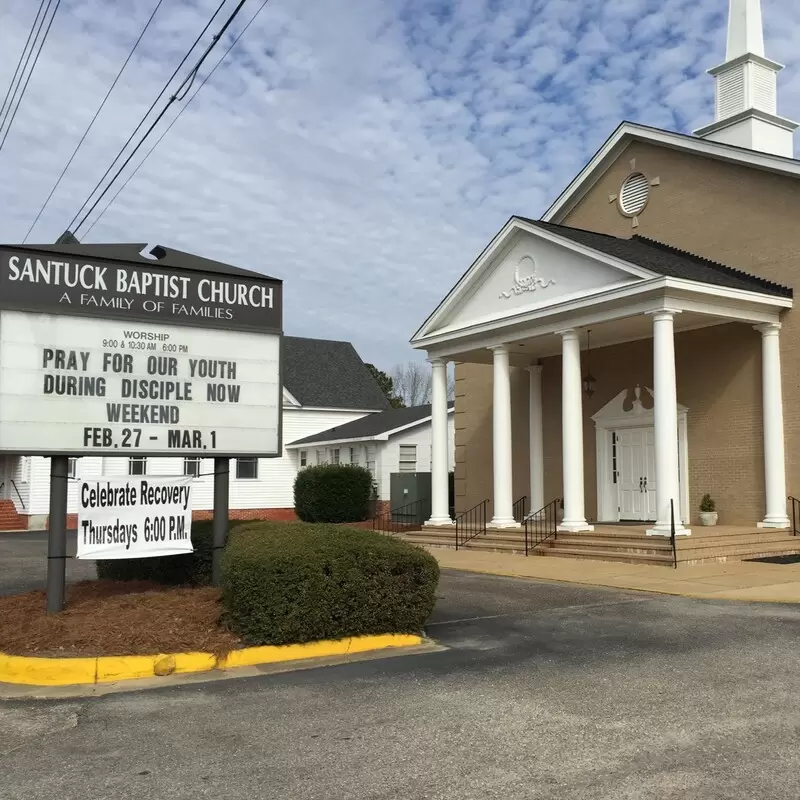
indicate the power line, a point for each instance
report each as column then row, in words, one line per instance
column 176, row 118
column 147, row 114
column 91, row 123
column 30, row 73
column 22, row 56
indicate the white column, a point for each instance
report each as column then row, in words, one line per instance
column 774, row 456
column 501, row 441
column 536, row 438
column 440, row 461
column 665, row 421
column 572, row 433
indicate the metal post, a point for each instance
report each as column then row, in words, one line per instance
column 220, row 529
column 57, row 534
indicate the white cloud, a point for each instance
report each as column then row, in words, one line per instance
column 363, row 151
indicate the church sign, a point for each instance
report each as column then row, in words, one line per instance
column 101, row 357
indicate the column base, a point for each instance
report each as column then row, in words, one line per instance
column 504, row 522
column 575, row 526
column 666, row 530
column 774, row 522
column 438, row 522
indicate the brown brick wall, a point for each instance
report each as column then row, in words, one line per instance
column 735, row 215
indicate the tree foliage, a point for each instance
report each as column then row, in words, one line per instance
column 386, row 385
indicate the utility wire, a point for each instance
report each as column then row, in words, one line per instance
column 30, row 73
column 91, row 123
column 176, row 118
column 22, row 55
column 144, row 118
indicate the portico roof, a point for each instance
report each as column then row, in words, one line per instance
column 536, row 278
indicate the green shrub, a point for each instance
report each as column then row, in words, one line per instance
column 291, row 583
column 332, row 493
column 707, row 504
column 186, row 569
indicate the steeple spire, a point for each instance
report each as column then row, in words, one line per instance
column 747, row 89
column 745, row 29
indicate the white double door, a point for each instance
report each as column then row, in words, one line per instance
column 636, row 473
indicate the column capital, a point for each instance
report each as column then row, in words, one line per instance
column 661, row 314
column 535, row 369
column 437, row 361
column 768, row 328
column 499, row 348
column 568, row 333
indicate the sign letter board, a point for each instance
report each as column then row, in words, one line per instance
column 101, row 357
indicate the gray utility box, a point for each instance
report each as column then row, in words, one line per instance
column 410, row 494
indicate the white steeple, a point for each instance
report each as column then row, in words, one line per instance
column 747, row 89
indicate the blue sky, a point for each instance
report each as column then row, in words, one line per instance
column 364, row 151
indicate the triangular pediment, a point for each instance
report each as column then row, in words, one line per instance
column 528, row 269
column 628, row 407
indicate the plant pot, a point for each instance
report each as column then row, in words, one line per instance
column 708, row 518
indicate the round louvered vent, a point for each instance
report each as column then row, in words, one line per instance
column 634, row 193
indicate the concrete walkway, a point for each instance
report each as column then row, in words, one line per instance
column 732, row 580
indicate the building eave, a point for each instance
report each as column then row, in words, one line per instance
column 629, row 132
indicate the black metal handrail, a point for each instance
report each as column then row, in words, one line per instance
column 400, row 518
column 795, row 515
column 471, row 523
column 519, row 508
column 672, row 534
column 541, row 526
column 21, row 501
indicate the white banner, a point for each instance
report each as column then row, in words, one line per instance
column 134, row 517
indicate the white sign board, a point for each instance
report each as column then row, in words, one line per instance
column 82, row 386
column 134, row 517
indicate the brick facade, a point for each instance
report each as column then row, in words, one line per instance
column 739, row 216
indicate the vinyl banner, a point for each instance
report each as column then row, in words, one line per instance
column 134, row 517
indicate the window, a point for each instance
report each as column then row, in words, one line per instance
column 246, row 469
column 320, row 457
column 336, row 456
column 408, row 458
column 191, row 466
column 353, row 455
column 137, row 466
column 303, row 458
column 72, row 469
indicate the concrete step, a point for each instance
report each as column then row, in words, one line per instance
column 605, row 554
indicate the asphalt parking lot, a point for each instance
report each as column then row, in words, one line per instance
column 543, row 690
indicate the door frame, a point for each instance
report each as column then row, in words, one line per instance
column 615, row 416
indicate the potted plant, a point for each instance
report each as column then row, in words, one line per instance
column 708, row 511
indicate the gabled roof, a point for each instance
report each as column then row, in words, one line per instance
column 663, row 259
column 132, row 254
column 629, row 132
column 325, row 374
column 373, row 426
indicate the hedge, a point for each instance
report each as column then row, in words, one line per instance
column 332, row 493
column 187, row 569
column 292, row 583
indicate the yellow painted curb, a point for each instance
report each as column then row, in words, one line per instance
column 108, row 669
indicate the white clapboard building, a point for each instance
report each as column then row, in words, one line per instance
column 397, row 440
column 325, row 384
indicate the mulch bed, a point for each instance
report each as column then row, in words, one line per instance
column 115, row 618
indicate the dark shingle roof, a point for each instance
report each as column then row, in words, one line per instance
column 131, row 253
column 371, row 425
column 325, row 374
column 664, row 259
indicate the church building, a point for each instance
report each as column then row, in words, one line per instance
column 636, row 348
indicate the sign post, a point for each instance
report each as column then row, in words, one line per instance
column 57, row 534
column 106, row 353
column 220, row 524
